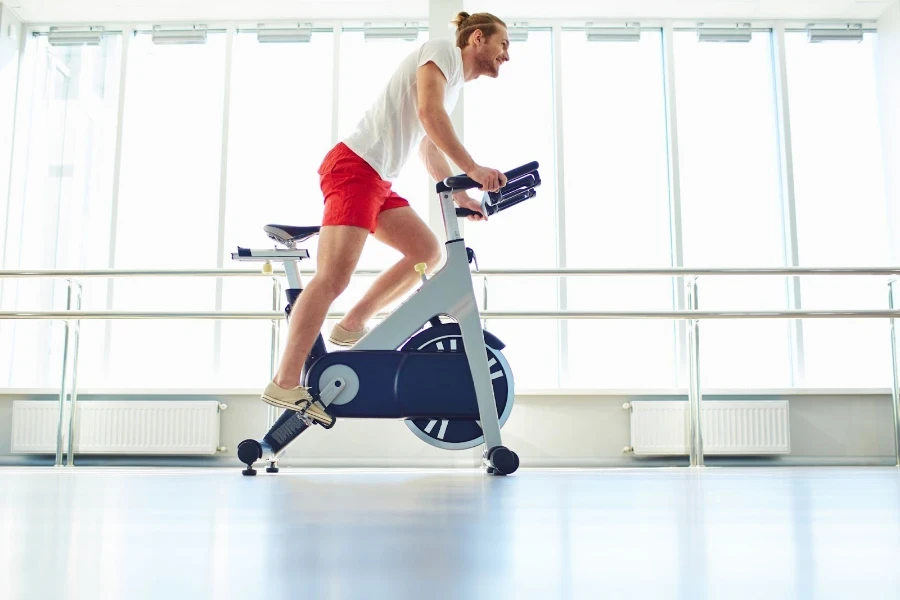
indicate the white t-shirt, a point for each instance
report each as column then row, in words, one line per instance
column 390, row 130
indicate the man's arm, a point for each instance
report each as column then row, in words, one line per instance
column 436, row 163
column 434, row 118
column 437, row 166
column 430, row 84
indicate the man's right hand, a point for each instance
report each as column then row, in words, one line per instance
column 490, row 180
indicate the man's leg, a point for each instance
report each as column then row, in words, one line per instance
column 338, row 253
column 401, row 229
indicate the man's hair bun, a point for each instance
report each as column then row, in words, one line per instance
column 460, row 19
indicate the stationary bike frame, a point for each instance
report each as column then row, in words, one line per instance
column 448, row 292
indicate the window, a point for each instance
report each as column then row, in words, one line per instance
column 60, row 205
column 278, row 133
column 365, row 67
column 169, row 210
column 509, row 122
column 284, row 116
column 731, row 203
column 617, row 209
column 841, row 209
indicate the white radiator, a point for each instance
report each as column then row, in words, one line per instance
column 119, row 427
column 662, row 428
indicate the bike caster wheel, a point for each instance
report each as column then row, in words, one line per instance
column 502, row 461
column 249, row 451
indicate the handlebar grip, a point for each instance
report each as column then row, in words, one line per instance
column 462, row 182
column 465, row 212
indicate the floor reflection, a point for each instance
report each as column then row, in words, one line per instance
column 651, row 533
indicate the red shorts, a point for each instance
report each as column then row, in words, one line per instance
column 354, row 192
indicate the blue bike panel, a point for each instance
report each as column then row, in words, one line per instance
column 403, row 385
column 445, row 338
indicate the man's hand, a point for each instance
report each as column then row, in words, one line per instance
column 491, row 180
column 466, row 201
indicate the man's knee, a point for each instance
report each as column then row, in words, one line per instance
column 428, row 252
column 332, row 282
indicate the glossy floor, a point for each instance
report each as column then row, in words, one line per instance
column 651, row 533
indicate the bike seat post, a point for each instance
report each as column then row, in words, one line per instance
column 292, row 271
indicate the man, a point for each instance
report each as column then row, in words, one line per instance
column 413, row 109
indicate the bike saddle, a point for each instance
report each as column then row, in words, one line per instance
column 288, row 234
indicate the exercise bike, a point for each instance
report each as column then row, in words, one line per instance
column 448, row 380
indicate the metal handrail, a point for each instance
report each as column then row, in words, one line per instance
column 693, row 316
column 492, row 315
column 567, row 272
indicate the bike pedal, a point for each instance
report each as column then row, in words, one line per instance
column 309, row 418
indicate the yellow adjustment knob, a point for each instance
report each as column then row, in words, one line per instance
column 267, row 267
column 420, row 268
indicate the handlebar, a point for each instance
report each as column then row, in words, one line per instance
column 459, row 183
column 520, row 184
column 503, row 204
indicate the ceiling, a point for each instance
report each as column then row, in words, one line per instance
column 48, row 11
column 691, row 9
column 59, row 11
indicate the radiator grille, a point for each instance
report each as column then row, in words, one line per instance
column 120, row 427
column 733, row 427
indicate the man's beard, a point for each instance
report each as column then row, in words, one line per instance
column 486, row 64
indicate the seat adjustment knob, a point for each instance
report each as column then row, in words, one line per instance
column 420, row 269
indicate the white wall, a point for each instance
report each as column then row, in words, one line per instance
column 572, row 431
column 10, row 37
column 548, row 430
column 888, row 73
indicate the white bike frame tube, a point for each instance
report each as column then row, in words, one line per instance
column 450, row 292
column 445, row 293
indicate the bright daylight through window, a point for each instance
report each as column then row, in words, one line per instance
column 594, row 112
column 617, row 209
column 366, row 65
column 731, row 202
column 168, row 210
column 841, row 210
column 60, row 202
column 274, row 149
column 509, row 122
